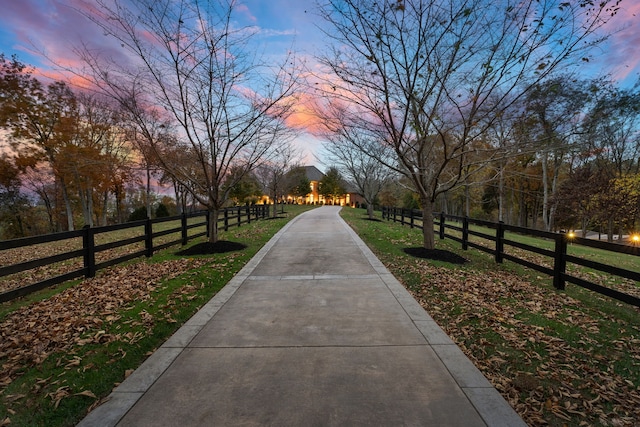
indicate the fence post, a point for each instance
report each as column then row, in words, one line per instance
column 89, row 246
column 394, row 213
column 465, row 233
column 183, row 221
column 442, row 228
column 401, row 216
column 560, row 262
column 226, row 219
column 411, row 212
column 499, row 242
column 248, row 210
column 148, row 241
column 239, row 209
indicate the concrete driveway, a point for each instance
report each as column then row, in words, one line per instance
column 314, row 331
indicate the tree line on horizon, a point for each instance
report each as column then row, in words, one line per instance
column 466, row 108
column 571, row 160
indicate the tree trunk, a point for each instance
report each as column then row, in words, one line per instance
column 445, row 205
column 90, row 208
column 67, row 205
column 119, row 198
column 554, row 190
column 427, row 224
column 467, row 201
column 178, row 198
column 86, row 201
column 501, row 194
column 49, row 209
column 370, row 210
column 20, row 225
column 105, row 201
column 148, row 192
column 522, row 214
column 213, row 225
column 545, row 193
column 275, row 204
column 83, row 205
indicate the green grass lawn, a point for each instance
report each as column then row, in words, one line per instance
column 558, row 357
column 18, row 255
column 615, row 259
column 621, row 260
column 64, row 349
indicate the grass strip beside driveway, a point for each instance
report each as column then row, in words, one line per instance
column 63, row 350
column 558, row 357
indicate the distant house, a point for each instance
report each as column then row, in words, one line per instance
column 352, row 197
column 314, row 176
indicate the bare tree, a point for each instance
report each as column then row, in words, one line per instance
column 613, row 130
column 429, row 77
column 198, row 70
column 147, row 130
column 356, row 156
column 551, row 122
column 273, row 171
column 93, row 154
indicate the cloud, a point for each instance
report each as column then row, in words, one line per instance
column 277, row 33
column 45, row 34
column 306, row 114
column 324, row 103
column 243, row 10
column 620, row 55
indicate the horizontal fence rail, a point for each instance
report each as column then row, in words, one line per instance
column 230, row 217
column 559, row 256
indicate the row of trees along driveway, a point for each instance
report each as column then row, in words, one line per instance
column 412, row 87
column 203, row 102
column 431, row 79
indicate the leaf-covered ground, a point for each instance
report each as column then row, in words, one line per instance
column 560, row 358
column 63, row 350
column 543, row 350
column 557, row 359
column 43, row 250
column 78, row 316
column 29, row 253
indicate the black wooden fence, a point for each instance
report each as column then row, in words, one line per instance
column 235, row 216
column 559, row 255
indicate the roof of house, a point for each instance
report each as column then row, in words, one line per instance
column 350, row 188
column 313, row 174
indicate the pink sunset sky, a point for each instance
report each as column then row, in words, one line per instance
column 55, row 27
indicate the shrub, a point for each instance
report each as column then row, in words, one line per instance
column 139, row 214
column 161, row 211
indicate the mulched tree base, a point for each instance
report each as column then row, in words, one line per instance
column 436, row 255
column 366, row 218
column 207, row 248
